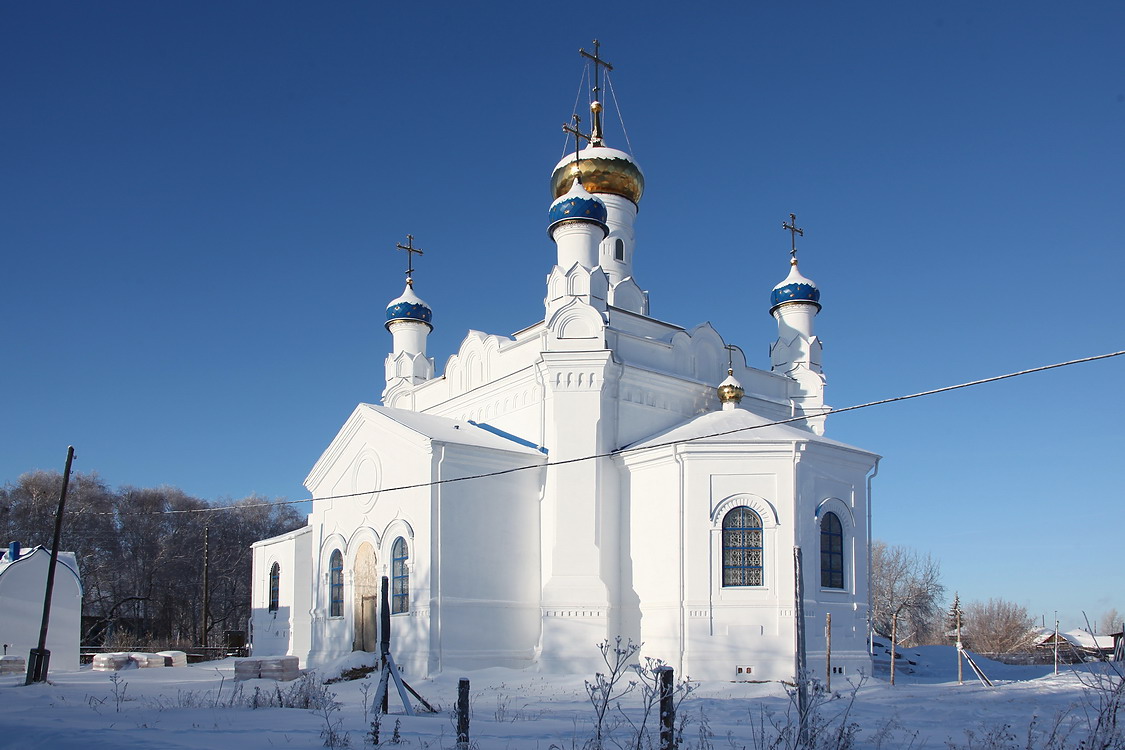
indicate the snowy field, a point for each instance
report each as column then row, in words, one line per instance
column 201, row 706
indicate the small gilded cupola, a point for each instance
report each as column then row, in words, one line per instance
column 730, row 391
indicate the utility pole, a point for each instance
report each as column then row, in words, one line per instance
column 40, row 657
column 206, row 582
column 894, row 644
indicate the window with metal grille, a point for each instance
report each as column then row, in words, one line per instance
column 831, row 552
column 336, row 584
column 400, row 577
column 275, row 587
column 742, row 548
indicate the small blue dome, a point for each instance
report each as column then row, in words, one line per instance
column 795, row 288
column 409, row 307
column 577, row 204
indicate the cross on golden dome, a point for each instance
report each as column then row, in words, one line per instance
column 596, row 104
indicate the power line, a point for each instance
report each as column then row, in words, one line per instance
column 623, row 451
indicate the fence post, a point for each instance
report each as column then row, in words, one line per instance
column 828, row 651
column 665, row 677
column 463, row 713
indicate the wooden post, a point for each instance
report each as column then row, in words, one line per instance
column 1056, row 643
column 40, row 658
column 463, row 713
column 384, row 636
column 206, row 582
column 828, row 651
column 894, row 644
column 801, row 664
column 666, row 676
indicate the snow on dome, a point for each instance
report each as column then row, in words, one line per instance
column 795, row 288
column 409, row 307
column 730, row 390
column 577, row 204
column 603, row 170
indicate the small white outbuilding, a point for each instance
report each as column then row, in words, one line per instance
column 23, row 582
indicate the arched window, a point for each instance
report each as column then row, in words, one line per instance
column 400, row 577
column 336, row 584
column 831, row 552
column 742, row 548
column 619, row 249
column 275, row 587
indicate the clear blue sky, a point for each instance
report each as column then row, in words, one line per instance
column 199, row 203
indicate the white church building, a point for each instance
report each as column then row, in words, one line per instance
column 598, row 473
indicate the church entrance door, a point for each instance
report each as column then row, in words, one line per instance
column 365, row 617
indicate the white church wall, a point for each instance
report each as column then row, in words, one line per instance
column 718, row 629
column 835, row 480
column 486, row 552
column 284, row 630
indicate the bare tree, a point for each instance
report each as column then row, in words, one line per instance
column 906, row 584
column 999, row 626
column 140, row 552
column 1110, row 622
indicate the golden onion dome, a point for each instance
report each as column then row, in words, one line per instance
column 730, row 390
column 603, row 170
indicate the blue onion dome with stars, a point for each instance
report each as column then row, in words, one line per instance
column 577, row 204
column 409, row 307
column 795, row 288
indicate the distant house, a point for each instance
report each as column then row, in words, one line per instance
column 23, row 582
column 1075, row 645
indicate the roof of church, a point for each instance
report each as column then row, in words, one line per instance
column 455, row 431
column 754, row 428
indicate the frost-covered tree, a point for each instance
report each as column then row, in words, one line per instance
column 956, row 614
column 998, row 626
column 906, row 584
column 1110, row 622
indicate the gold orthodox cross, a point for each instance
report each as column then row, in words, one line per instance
column 596, row 105
column 791, row 227
column 411, row 251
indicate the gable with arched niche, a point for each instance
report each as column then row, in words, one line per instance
column 744, row 535
column 474, row 362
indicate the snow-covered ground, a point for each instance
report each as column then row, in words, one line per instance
column 190, row 707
